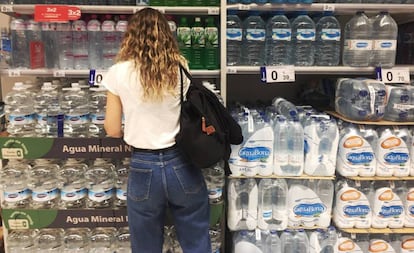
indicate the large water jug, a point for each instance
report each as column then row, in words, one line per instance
column 19, row 44
column 384, row 35
column 234, row 36
column 278, row 40
column 254, row 36
column 328, row 41
column 303, row 38
column 73, row 190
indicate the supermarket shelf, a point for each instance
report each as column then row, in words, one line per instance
column 318, row 7
column 377, row 178
column 115, row 9
column 287, row 177
column 84, row 73
column 379, row 123
column 316, row 70
column 378, row 230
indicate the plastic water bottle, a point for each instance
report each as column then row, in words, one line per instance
column 303, row 37
column 215, row 178
column 14, row 183
column 243, row 240
column 198, row 44
column 42, row 102
column 64, row 49
column 243, row 200
column 44, row 184
column 328, row 136
column 280, row 149
column 20, row 111
column 102, row 239
column 97, row 102
column 287, row 242
column 122, row 171
column 108, row 42
column 384, row 34
column 399, row 102
column 328, row 41
column 301, row 241
column 285, row 107
column 184, row 38
column 275, row 243
column 120, row 29
column 73, row 189
column 254, row 36
column 35, row 40
column 95, row 43
column 329, row 240
column 76, row 240
column 122, row 240
column 80, row 45
column 49, row 240
column 234, row 36
column 100, row 180
column 357, row 41
column 278, row 40
column 272, row 208
column 21, row 241
column 19, row 42
column 212, row 44
column 75, row 105
column 5, row 48
column 325, row 191
column 48, row 37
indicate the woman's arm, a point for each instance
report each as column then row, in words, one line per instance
column 113, row 116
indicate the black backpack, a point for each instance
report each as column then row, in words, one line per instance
column 207, row 129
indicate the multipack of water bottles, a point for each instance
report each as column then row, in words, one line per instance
column 257, row 39
column 367, row 99
column 277, row 203
column 285, row 140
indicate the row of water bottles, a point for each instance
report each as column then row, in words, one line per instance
column 285, row 140
column 370, row 243
column 280, row 41
column 53, row 111
column 287, row 241
column 64, row 184
column 375, row 151
column 90, row 43
column 372, row 100
column 276, row 204
column 377, row 204
column 69, row 240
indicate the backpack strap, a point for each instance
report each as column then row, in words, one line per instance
column 188, row 75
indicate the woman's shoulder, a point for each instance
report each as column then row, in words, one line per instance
column 122, row 65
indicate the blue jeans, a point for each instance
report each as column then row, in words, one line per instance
column 158, row 180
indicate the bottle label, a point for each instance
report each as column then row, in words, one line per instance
column 19, row 120
column 281, row 34
column 352, row 204
column 73, row 195
column 45, row 196
column 267, row 214
column 385, row 45
column 100, row 196
column 77, row 119
column 184, row 36
column 215, row 193
column 358, row 44
column 306, row 34
column 211, row 37
column 18, row 26
column 255, row 34
column 16, row 196
column 197, row 37
column 108, row 37
column 331, row 34
column 98, row 119
column 234, row 34
column 355, row 154
column 121, row 194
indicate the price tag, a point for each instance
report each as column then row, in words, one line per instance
column 231, row 70
column 244, row 7
column 6, row 8
column 14, row 73
column 74, row 13
column 213, row 11
column 95, row 77
column 395, row 75
column 277, row 74
column 59, row 73
column 328, row 7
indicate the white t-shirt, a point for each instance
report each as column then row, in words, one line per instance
column 147, row 125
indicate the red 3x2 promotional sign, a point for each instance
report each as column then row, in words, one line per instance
column 56, row 13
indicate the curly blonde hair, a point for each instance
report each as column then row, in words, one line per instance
column 149, row 42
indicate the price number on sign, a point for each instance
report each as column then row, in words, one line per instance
column 328, row 7
column 59, row 73
column 6, row 8
column 14, row 73
column 273, row 74
column 244, row 7
column 213, row 11
column 395, row 75
column 95, row 77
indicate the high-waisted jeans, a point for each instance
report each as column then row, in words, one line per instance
column 165, row 179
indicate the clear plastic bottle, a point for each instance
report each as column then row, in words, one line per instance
column 49, row 240
column 76, row 240
column 328, row 41
column 14, row 183
column 43, row 100
column 80, row 45
column 198, row 44
column 303, row 38
column 234, row 36
column 108, row 42
column 357, row 41
column 399, row 103
column 120, row 29
column 122, row 240
column 75, row 105
column 48, row 38
column 64, row 49
column 272, row 205
column 100, row 180
column 275, row 243
column 287, row 241
column 20, row 111
column 325, row 192
column 295, row 148
column 73, row 189
column 95, row 43
column 301, row 241
column 215, row 184
column 5, row 48
column 254, row 36
column 327, row 134
column 278, row 40
column 384, row 35
column 122, row 171
column 97, row 102
column 280, row 149
column 329, row 240
column 21, row 241
column 19, row 44
column 212, row 44
column 285, row 107
column 245, row 239
column 102, row 240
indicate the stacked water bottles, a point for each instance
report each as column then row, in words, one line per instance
column 282, row 41
column 91, row 42
column 82, row 240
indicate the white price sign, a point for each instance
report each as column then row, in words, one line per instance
column 59, row 73
column 6, row 8
column 14, row 73
column 213, row 11
column 277, row 74
column 328, row 7
column 96, row 77
column 395, row 75
column 244, row 7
